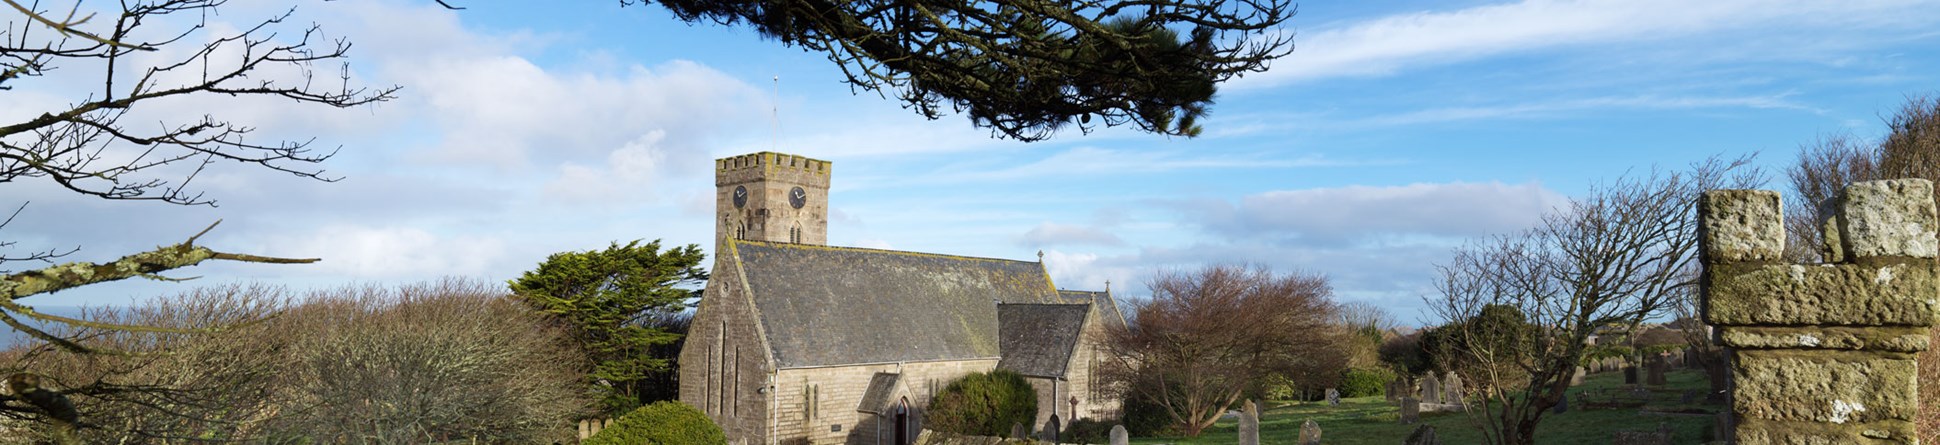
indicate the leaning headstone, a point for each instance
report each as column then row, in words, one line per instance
column 1249, row 425
column 1333, row 397
column 1577, row 378
column 1410, row 410
column 1452, row 388
column 1119, row 436
column 1423, row 435
column 1431, row 389
column 1016, row 431
column 1562, row 406
column 1310, row 433
column 1657, row 368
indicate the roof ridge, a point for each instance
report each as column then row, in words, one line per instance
column 866, row 249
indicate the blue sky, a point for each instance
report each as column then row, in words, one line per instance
column 1393, row 132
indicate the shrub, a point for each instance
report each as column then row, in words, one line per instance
column 984, row 404
column 1145, row 418
column 661, row 423
column 1356, row 382
column 1088, row 431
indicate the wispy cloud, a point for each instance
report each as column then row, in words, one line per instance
column 1339, row 215
column 1085, row 161
column 1392, row 43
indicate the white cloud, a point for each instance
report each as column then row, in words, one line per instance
column 395, row 252
column 627, row 175
column 1389, row 44
column 1049, row 233
column 503, row 110
column 1332, row 215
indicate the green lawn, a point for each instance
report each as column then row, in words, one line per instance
column 1372, row 420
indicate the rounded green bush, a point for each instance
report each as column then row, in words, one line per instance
column 983, row 404
column 1358, row 382
column 662, row 423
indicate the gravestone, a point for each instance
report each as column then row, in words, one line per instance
column 1431, row 389
column 1423, row 435
column 1310, row 433
column 1577, row 378
column 1249, row 425
column 1119, row 436
column 1562, row 406
column 1410, row 410
column 1016, row 431
column 1452, row 388
column 1050, row 433
column 1333, row 397
column 1390, row 393
column 1629, row 375
column 1657, row 366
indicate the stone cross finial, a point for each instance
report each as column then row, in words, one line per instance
column 1823, row 353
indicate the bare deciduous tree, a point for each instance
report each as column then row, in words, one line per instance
column 416, row 364
column 128, row 57
column 1613, row 257
column 1208, row 336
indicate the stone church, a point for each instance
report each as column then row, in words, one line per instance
column 799, row 342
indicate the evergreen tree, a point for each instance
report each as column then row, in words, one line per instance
column 609, row 298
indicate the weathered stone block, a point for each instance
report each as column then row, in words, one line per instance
column 1309, row 433
column 1876, row 293
column 1741, row 225
column 1766, row 432
column 1882, row 338
column 1824, row 387
column 1249, row 424
column 1886, row 219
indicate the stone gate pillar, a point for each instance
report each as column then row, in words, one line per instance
column 1822, row 353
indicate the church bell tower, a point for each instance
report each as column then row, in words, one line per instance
column 770, row 196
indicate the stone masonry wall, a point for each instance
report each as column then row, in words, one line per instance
column 835, row 392
column 1822, row 353
column 724, row 363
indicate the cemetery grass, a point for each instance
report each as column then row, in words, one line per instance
column 1372, row 420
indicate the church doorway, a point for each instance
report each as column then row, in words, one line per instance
column 902, row 422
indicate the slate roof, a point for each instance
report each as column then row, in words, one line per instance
column 1037, row 339
column 824, row 305
column 882, row 388
column 1108, row 306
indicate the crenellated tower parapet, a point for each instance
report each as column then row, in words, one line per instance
column 771, row 196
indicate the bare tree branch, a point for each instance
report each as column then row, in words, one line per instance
column 72, row 275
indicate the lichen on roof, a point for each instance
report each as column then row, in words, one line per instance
column 1037, row 340
column 824, row 305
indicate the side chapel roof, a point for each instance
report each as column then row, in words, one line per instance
column 825, row 305
column 1037, row 339
column 1107, row 306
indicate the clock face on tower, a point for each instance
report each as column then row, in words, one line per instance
column 740, row 196
column 797, row 197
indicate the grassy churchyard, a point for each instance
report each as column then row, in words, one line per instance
column 1372, row 420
